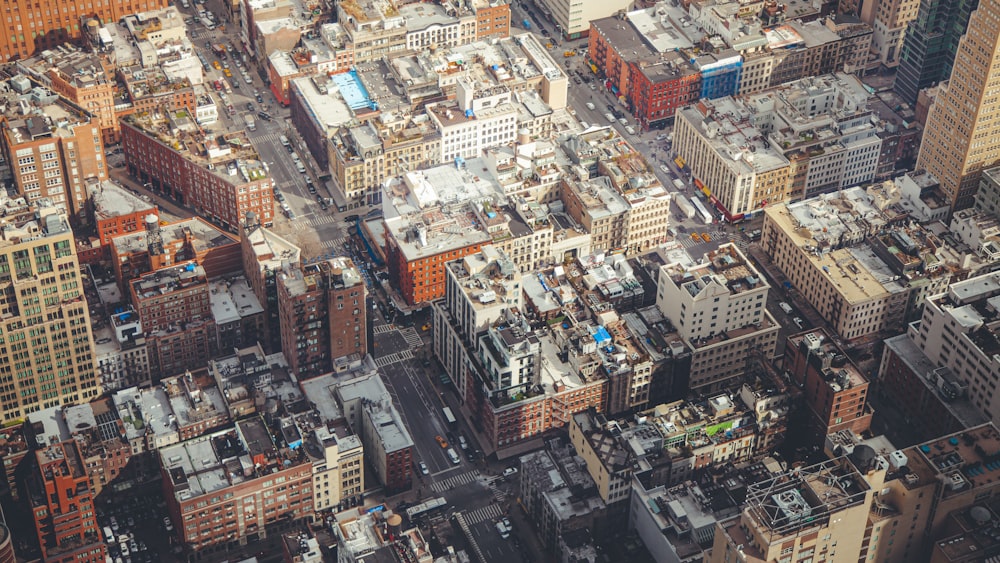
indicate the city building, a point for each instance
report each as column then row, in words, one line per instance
column 50, row 357
column 930, row 46
column 238, row 314
column 339, row 472
column 422, row 234
column 600, row 209
column 376, row 29
column 572, row 17
column 717, row 306
column 375, row 535
column 173, row 306
column 85, row 79
column 47, row 34
column 480, row 118
column 833, row 387
column 52, row 145
column 492, row 19
column 235, row 486
column 730, row 158
column 825, row 129
column 988, row 195
column 958, row 334
column 648, row 201
column 832, row 498
column 889, row 21
column 121, row 353
column 387, row 444
column 955, row 146
column 322, row 312
column 478, row 288
column 98, row 430
column 559, row 496
column 115, row 211
column 861, row 274
column 363, row 157
column 61, row 501
column 298, row 547
column 162, row 246
column 265, row 256
column 218, row 174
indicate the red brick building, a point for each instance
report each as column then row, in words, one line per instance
column 25, row 31
column 220, row 176
column 322, row 315
column 492, row 19
column 657, row 89
column 834, row 389
column 651, row 85
column 61, row 501
column 158, row 246
column 420, row 275
column 115, row 211
column 173, row 305
column 235, row 487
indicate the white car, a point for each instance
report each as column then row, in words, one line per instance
column 590, row 105
column 630, row 130
column 510, row 471
column 664, row 169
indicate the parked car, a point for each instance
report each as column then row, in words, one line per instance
column 423, row 469
column 510, row 471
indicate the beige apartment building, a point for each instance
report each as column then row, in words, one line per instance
column 340, row 473
column 596, row 205
column 962, row 127
column 376, row 28
column 47, row 351
column 718, row 308
column 810, row 252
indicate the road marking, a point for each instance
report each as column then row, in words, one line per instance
column 412, row 338
column 482, row 514
column 443, row 471
column 455, row 481
column 382, row 329
column 335, row 243
column 393, row 358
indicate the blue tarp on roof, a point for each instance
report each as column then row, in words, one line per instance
column 601, row 335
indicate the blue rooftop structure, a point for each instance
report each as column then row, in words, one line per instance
column 601, row 335
column 352, row 90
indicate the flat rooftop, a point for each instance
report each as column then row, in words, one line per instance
column 112, row 200
column 201, row 234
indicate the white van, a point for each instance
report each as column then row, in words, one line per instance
column 610, row 117
column 453, row 456
column 785, row 307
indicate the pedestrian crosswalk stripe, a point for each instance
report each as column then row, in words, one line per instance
column 335, row 243
column 455, row 481
column 411, row 337
column 482, row 514
column 393, row 358
column 382, row 329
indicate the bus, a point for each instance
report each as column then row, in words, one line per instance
column 425, row 507
column 449, row 416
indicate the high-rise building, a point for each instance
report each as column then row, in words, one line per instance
column 47, row 359
column 322, row 314
column 265, row 254
column 53, row 148
column 930, row 45
column 25, row 31
column 62, row 504
column 959, row 139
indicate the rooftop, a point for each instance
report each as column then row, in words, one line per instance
column 197, row 232
column 232, row 300
column 110, row 199
column 728, row 125
column 841, row 373
column 22, row 222
column 963, row 460
column 229, row 154
column 167, row 280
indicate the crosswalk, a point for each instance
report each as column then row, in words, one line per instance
column 393, row 358
column 382, row 329
column 335, row 243
column 455, row 481
column 498, row 494
column 323, row 219
column 482, row 514
column 687, row 241
column 266, row 136
column 411, row 337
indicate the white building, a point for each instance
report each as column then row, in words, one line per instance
column 431, row 26
column 483, row 117
column 339, row 474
